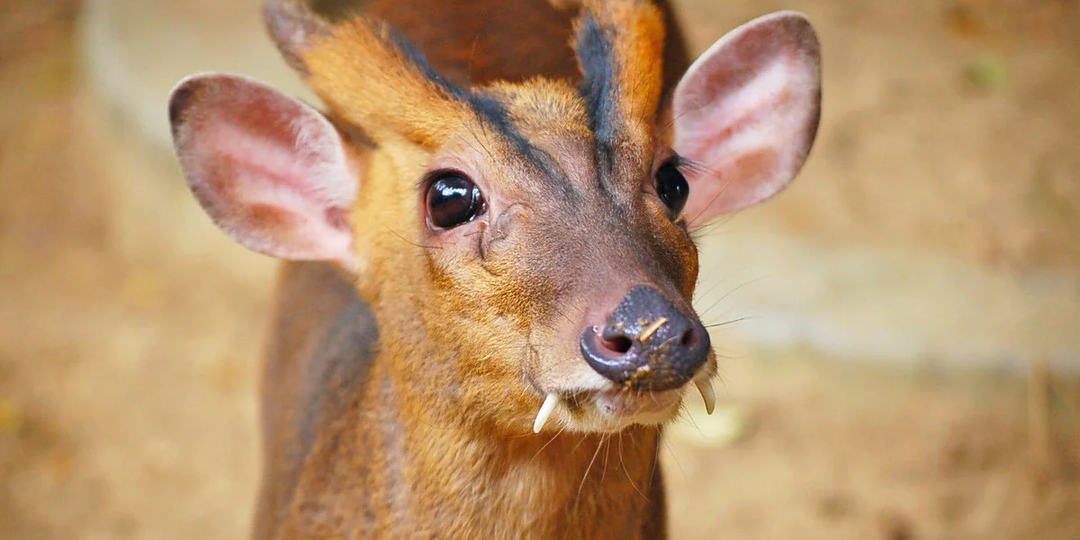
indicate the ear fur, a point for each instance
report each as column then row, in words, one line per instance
column 746, row 114
column 269, row 170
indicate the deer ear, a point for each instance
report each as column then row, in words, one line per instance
column 292, row 26
column 746, row 112
column 269, row 170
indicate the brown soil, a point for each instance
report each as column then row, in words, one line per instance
column 127, row 393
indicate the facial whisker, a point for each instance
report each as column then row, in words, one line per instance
column 551, row 440
column 577, row 498
column 656, row 460
column 603, row 469
column 407, row 241
column 725, row 186
column 710, row 228
column 730, row 321
column 674, row 456
column 699, row 295
column 625, row 470
column 729, row 293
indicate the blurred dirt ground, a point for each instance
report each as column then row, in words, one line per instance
column 127, row 392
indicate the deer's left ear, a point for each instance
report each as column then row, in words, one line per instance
column 747, row 113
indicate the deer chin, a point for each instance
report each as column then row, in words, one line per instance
column 622, row 408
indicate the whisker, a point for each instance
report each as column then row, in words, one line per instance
column 587, row 469
column 690, row 417
column 410, row 242
column 670, row 450
column 729, row 293
column 625, row 470
column 731, row 321
column 690, row 224
column 656, row 459
column 607, row 449
column 713, row 228
column 698, row 295
column 551, row 440
column 483, row 126
column 578, row 445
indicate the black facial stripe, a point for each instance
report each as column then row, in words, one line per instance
column 411, row 52
column 491, row 112
column 597, row 57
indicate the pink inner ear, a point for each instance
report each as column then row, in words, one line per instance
column 746, row 114
column 269, row 170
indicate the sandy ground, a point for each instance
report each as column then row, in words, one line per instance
column 127, row 406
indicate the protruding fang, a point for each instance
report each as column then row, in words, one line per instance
column 545, row 412
column 651, row 329
column 707, row 394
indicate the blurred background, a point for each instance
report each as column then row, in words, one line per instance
column 902, row 359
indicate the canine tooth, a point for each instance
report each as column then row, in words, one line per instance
column 707, row 394
column 545, row 412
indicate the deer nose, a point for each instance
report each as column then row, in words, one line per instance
column 647, row 343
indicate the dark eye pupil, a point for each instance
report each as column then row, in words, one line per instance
column 672, row 187
column 453, row 200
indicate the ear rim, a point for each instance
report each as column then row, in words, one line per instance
column 291, row 26
column 799, row 25
column 792, row 17
column 181, row 97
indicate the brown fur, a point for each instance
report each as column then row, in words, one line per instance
column 637, row 32
column 396, row 97
column 432, row 440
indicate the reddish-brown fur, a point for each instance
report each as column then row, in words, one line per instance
column 401, row 443
column 497, row 232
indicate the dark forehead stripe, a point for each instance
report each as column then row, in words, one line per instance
column 596, row 53
column 410, row 51
column 491, row 112
column 494, row 113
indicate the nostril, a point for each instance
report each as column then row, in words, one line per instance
column 618, row 344
column 687, row 338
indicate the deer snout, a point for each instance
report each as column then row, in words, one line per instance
column 647, row 343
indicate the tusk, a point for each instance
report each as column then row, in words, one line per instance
column 545, row 412
column 708, row 395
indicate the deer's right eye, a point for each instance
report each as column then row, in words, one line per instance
column 453, row 199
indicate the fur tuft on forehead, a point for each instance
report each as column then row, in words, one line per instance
column 372, row 77
column 540, row 106
column 620, row 45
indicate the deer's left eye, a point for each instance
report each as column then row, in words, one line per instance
column 672, row 188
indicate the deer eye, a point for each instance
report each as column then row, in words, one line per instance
column 672, row 188
column 452, row 200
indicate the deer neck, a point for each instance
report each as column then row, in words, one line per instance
column 405, row 462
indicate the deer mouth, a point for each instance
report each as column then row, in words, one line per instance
column 619, row 408
column 643, row 408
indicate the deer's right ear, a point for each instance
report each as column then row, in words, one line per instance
column 269, row 170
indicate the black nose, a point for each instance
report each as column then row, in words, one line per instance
column 647, row 343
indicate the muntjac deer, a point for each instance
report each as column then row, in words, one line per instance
column 490, row 253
